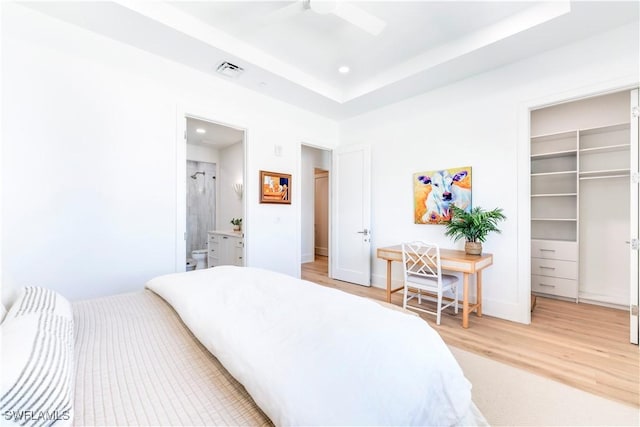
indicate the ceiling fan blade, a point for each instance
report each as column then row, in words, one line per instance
column 359, row 17
column 284, row 13
column 254, row 22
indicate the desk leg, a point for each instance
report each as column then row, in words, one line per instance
column 465, row 300
column 479, row 293
column 389, row 280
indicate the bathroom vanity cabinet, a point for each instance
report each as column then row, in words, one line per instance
column 225, row 248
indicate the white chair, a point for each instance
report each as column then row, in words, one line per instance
column 422, row 272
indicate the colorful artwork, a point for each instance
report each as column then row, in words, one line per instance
column 275, row 187
column 435, row 191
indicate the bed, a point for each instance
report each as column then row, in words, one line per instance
column 155, row 358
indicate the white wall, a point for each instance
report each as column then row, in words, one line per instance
column 311, row 158
column 202, row 153
column 231, row 171
column 90, row 159
column 483, row 122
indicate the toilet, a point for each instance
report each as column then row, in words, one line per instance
column 200, row 256
column 191, row 264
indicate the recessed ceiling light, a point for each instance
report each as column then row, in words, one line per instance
column 200, row 130
column 344, row 69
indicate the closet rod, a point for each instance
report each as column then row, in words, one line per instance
column 604, row 177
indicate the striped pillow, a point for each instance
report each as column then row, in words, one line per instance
column 37, row 360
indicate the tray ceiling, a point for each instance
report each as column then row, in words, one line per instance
column 292, row 53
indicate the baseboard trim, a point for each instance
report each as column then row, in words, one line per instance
column 322, row 251
column 307, row 258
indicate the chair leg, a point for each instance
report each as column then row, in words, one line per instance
column 419, row 297
column 404, row 298
column 455, row 298
column 439, row 308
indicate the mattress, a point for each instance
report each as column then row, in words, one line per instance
column 138, row 364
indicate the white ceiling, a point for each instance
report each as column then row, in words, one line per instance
column 319, row 44
column 425, row 44
column 216, row 136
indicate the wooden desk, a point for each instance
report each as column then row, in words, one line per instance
column 451, row 260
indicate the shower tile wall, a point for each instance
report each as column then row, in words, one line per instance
column 201, row 204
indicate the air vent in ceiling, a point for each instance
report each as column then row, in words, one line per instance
column 230, row 70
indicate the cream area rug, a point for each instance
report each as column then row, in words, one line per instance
column 509, row 396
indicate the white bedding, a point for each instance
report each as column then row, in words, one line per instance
column 311, row 355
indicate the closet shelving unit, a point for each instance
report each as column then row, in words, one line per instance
column 567, row 169
column 554, row 188
column 554, row 213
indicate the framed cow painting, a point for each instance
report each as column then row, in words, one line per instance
column 435, row 191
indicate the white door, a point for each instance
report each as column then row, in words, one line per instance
column 351, row 240
column 633, row 199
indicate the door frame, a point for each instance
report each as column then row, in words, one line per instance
column 199, row 113
column 523, row 150
column 329, row 149
column 634, row 320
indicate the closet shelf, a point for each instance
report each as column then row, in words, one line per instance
column 553, row 154
column 554, row 219
column 606, row 173
column 553, row 239
column 604, row 129
column 554, row 136
column 553, row 173
column 605, row 149
column 584, row 131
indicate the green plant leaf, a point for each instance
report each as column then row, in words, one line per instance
column 473, row 226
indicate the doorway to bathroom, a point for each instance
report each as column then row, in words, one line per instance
column 201, row 210
column 214, row 176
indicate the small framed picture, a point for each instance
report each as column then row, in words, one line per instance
column 275, row 187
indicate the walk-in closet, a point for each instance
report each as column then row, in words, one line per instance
column 584, row 200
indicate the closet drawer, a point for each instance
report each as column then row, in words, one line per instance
column 213, row 238
column 554, row 286
column 554, row 249
column 554, row 268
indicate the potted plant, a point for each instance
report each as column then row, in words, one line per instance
column 474, row 226
column 237, row 223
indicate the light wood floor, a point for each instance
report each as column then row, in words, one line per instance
column 584, row 346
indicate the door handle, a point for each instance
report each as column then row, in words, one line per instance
column 365, row 232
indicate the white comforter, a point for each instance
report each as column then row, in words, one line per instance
column 311, row 355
